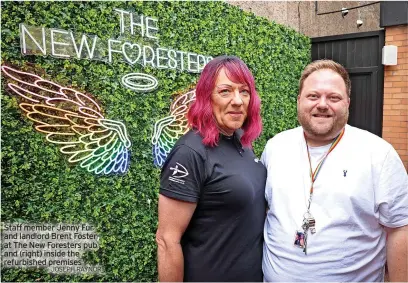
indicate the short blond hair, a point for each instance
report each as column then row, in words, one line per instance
column 325, row 64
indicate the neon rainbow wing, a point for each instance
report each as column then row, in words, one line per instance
column 170, row 128
column 72, row 120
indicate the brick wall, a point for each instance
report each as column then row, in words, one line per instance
column 395, row 119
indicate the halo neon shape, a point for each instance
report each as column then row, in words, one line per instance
column 74, row 121
column 128, row 81
column 170, row 128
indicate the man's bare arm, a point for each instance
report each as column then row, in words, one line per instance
column 397, row 253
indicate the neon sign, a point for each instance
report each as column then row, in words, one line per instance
column 170, row 128
column 65, row 44
column 128, row 81
column 74, row 121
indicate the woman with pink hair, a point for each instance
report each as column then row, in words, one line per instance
column 211, row 202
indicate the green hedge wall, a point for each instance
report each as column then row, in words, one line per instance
column 38, row 184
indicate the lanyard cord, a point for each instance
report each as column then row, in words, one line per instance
column 313, row 175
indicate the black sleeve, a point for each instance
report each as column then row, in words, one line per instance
column 183, row 174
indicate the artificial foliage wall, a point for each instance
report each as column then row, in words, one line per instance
column 40, row 184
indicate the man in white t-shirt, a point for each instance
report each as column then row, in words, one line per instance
column 337, row 195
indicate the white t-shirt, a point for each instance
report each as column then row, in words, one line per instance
column 317, row 154
column 361, row 186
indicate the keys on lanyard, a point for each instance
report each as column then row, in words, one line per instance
column 309, row 223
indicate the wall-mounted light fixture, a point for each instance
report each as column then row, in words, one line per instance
column 344, row 12
column 359, row 23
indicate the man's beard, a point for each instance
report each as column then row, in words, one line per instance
column 329, row 131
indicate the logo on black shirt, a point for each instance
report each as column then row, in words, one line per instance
column 179, row 171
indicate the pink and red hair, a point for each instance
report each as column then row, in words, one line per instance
column 200, row 115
